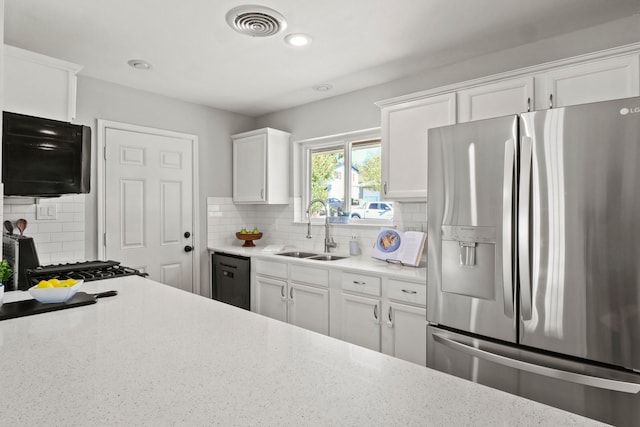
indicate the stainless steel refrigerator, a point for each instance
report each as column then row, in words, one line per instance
column 534, row 256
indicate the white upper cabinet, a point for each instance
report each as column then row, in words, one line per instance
column 38, row 85
column 261, row 167
column 404, row 143
column 502, row 98
column 593, row 81
column 595, row 77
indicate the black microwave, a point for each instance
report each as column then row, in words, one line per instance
column 44, row 157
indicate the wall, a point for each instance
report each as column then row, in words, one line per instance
column 219, row 218
column 356, row 110
column 98, row 99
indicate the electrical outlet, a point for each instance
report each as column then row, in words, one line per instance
column 46, row 212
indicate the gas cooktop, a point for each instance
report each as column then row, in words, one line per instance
column 87, row 271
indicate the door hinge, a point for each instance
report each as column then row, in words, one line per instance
column 104, row 152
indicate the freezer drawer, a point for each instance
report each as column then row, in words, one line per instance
column 608, row 395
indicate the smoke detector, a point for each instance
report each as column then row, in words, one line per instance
column 256, row 21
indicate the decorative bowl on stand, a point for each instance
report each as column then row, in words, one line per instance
column 248, row 238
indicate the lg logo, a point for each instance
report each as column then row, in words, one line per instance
column 633, row 110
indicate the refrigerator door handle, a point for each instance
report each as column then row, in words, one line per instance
column 587, row 380
column 523, row 227
column 507, row 226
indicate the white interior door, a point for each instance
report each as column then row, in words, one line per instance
column 148, row 203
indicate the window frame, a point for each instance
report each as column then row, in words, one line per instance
column 345, row 142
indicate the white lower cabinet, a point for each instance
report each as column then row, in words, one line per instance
column 271, row 298
column 404, row 332
column 301, row 304
column 309, row 307
column 360, row 323
column 380, row 313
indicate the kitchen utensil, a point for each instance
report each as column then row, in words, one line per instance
column 8, row 226
column 22, row 225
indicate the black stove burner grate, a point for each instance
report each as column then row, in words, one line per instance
column 87, row 271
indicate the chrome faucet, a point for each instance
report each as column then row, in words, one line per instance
column 328, row 241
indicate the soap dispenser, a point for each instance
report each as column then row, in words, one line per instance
column 354, row 246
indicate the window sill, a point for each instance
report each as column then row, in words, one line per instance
column 351, row 223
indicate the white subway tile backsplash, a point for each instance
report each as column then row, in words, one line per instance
column 53, row 227
column 49, row 248
column 72, row 226
column 276, row 222
column 59, row 240
column 72, row 246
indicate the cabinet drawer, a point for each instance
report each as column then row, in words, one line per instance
column 304, row 274
column 413, row 293
column 361, row 283
column 270, row 268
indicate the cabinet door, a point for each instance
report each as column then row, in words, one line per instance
column 271, row 298
column 38, row 85
column 361, row 320
column 405, row 332
column 503, row 98
column 595, row 81
column 404, row 144
column 249, row 169
column 309, row 307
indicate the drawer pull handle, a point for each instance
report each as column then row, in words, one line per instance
column 407, row 291
column 359, row 283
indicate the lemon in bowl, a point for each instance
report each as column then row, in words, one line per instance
column 55, row 290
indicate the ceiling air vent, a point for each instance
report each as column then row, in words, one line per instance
column 256, row 21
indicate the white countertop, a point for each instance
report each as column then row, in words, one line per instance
column 155, row 355
column 359, row 263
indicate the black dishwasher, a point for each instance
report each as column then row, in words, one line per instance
column 231, row 279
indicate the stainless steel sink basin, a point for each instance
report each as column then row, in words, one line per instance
column 298, row 254
column 327, row 257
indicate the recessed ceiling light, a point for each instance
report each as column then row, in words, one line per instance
column 322, row 87
column 297, row 39
column 139, row 64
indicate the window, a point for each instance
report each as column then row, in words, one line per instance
column 345, row 172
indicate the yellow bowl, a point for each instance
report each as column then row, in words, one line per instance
column 50, row 295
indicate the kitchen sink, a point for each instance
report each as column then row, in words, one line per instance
column 298, row 254
column 327, row 257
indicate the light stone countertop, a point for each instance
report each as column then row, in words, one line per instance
column 154, row 355
column 356, row 263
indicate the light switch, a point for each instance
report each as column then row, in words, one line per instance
column 46, row 212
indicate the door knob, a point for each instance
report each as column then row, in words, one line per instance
column 187, row 234
column 188, row 248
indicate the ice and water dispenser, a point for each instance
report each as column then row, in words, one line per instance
column 468, row 260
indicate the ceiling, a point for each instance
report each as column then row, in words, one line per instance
column 196, row 57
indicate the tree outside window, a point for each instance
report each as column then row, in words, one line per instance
column 345, row 187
